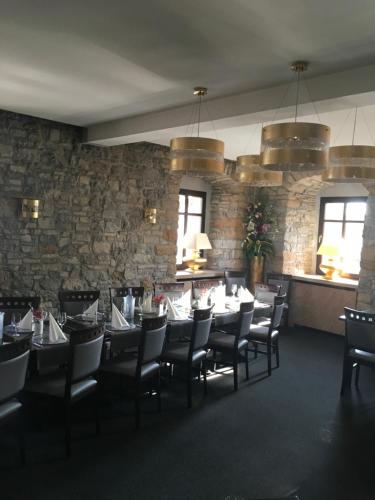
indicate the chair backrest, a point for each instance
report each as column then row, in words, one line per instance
column 266, row 293
column 21, row 305
column 202, row 287
column 73, row 302
column 152, row 340
column 117, row 295
column 171, row 290
column 86, row 349
column 245, row 319
column 360, row 329
column 277, row 313
column 234, row 278
column 281, row 280
column 14, row 359
column 201, row 329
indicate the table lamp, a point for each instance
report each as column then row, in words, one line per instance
column 196, row 242
column 332, row 252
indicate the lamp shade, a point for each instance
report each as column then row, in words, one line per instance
column 249, row 171
column 197, row 241
column 350, row 164
column 295, row 147
column 197, row 155
column 328, row 250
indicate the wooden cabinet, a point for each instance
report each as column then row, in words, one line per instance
column 317, row 303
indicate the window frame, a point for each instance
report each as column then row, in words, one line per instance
column 336, row 199
column 187, row 193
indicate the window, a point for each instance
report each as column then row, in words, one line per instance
column 191, row 218
column 341, row 223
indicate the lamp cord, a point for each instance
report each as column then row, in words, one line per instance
column 297, row 96
column 199, row 112
column 355, row 124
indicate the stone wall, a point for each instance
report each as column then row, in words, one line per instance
column 91, row 233
column 366, row 288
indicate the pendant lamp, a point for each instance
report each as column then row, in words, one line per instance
column 197, row 154
column 352, row 163
column 249, row 171
column 295, row 146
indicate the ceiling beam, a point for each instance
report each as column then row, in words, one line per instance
column 358, row 83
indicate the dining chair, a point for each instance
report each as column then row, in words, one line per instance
column 74, row 302
column 268, row 335
column 231, row 343
column 283, row 281
column 359, row 344
column 14, row 358
column 171, row 290
column 117, row 295
column 20, row 305
column 76, row 380
column 193, row 353
column 234, row 278
column 134, row 373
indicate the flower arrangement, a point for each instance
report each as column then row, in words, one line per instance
column 158, row 299
column 259, row 222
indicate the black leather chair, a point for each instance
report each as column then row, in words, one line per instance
column 21, row 305
column 230, row 344
column 77, row 380
column 14, row 359
column 269, row 335
column 359, row 344
column 136, row 372
column 74, row 302
column 193, row 353
column 234, row 278
column 283, row 282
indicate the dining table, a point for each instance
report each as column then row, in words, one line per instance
column 46, row 355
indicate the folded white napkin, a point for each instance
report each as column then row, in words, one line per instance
column 147, row 304
column 92, row 311
column 55, row 333
column 246, row 296
column 185, row 300
column 26, row 322
column 118, row 320
column 173, row 313
column 219, row 293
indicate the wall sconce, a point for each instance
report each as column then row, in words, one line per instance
column 150, row 215
column 29, row 208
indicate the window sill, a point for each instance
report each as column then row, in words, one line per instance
column 319, row 280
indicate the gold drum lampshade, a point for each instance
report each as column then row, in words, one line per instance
column 295, row 147
column 249, row 171
column 350, row 164
column 197, row 155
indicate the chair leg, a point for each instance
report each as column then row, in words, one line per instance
column 97, row 416
column 158, row 392
column 189, row 386
column 204, row 370
column 68, row 424
column 235, row 372
column 277, row 353
column 269, row 358
column 347, row 371
column 255, row 350
column 357, row 374
column 247, row 363
column 21, row 437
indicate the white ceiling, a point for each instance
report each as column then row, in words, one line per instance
column 86, row 62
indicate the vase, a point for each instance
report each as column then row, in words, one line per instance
column 256, row 270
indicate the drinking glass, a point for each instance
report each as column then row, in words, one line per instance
column 15, row 318
column 61, row 319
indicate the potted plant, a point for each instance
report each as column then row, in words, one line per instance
column 257, row 243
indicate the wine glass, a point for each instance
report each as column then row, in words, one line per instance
column 15, row 319
column 234, row 289
column 61, row 319
column 140, row 308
